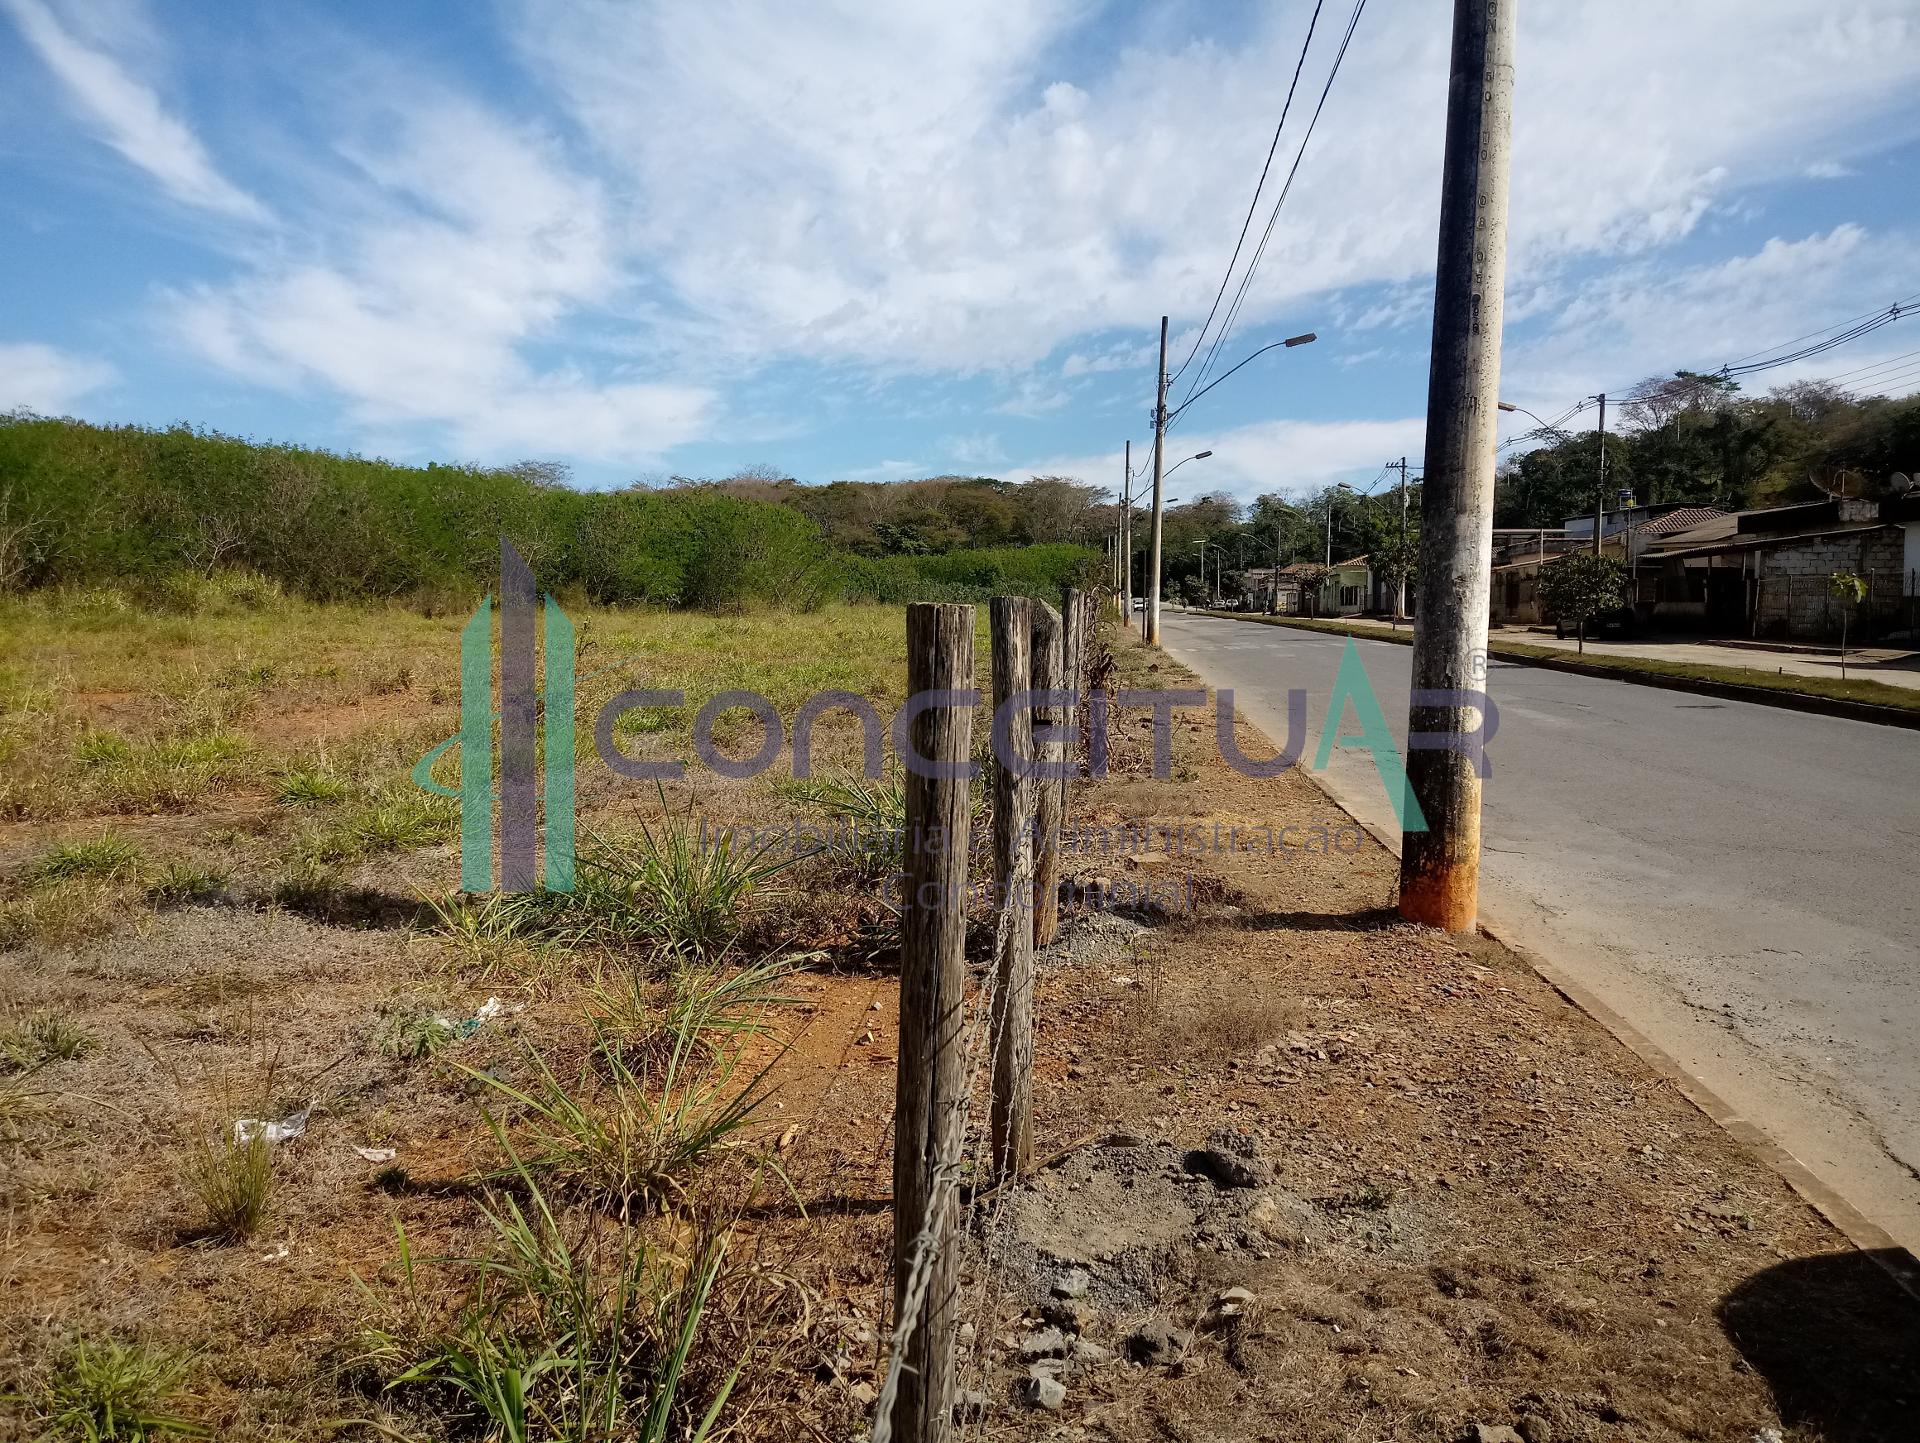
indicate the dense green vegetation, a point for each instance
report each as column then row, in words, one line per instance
column 1697, row 439
column 83, row 505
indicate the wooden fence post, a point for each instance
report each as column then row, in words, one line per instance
column 1049, row 674
column 1073, row 633
column 1012, row 1017
column 930, row 1103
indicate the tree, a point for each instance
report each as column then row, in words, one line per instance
column 1579, row 587
column 1396, row 561
column 1312, row 576
column 1849, row 590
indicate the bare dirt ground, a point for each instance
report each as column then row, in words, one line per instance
column 1310, row 1173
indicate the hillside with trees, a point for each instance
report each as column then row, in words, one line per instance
column 1697, row 439
column 85, row 505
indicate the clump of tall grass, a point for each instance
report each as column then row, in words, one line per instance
column 573, row 1331
column 62, row 912
column 187, row 884
column 646, row 1021
column 671, row 885
column 41, row 1037
column 107, row 855
column 161, row 774
column 232, row 1181
column 868, row 820
column 307, row 787
column 103, row 1392
column 625, row 1132
column 390, row 821
column 669, row 888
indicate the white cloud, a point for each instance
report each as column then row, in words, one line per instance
column 1290, row 457
column 912, row 187
column 42, row 379
column 473, row 240
column 974, row 450
column 1828, row 170
column 129, row 114
column 1651, row 318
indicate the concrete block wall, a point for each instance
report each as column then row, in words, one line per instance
column 1793, row 585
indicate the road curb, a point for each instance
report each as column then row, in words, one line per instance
column 1864, row 711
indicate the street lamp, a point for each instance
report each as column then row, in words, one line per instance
column 1162, row 418
column 1150, row 618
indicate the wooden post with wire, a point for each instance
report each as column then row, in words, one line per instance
column 1050, row 749
column 930, row 1103
column 1012, row 1016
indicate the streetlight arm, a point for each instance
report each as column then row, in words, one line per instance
column 1289, row 342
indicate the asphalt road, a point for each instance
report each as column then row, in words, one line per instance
column 1739, row 882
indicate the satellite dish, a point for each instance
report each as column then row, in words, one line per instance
column 1900, row 483
column 1838, row 482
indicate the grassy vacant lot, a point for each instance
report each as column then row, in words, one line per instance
column 1876, row 693
column 296, row 1142
column 221, row 899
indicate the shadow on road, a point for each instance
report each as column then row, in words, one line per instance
column 1839, row 1342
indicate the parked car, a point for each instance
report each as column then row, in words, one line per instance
column 1620, row 622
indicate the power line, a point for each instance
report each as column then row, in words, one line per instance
column 1253, row 265
column 1821, row 332
column 1254, row 204
column 1851, row 333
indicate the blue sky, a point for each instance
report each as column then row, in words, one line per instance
column 887, row 239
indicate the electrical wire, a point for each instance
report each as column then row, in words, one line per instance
column 1254, row 205
column 1253, row 265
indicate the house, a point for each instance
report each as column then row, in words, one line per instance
column 1766, row 573
column 1347, row 590
column 1626, row 534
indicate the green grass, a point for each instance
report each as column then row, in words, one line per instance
column 668, row 886
column 868, row 819
column 394, row 820
column 571, row 1331
column 103, row 1392
column 1877, row 693
column 42, row 1037
column 187, row 884
column 624, row 1137
column 717, row 1008
column 307, row 787
column 107, row 855
column 160, row 774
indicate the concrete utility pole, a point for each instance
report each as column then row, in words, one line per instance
column 1159, row 453
column 1600, row 497
column 1126, row 540
column 1440, row 867
column 1400, row 586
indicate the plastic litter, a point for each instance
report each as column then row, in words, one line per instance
column 377, row 1154
column 246, row 1129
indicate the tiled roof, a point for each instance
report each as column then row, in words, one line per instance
column 1680, row 520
